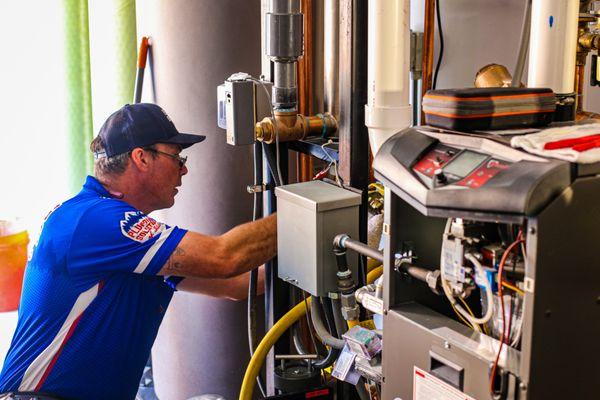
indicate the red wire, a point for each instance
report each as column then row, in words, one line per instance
column 500, row 294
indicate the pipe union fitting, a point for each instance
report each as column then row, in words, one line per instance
column 280, row 46
column 351, row 313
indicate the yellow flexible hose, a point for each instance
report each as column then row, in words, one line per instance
column 265, row 345
column 372, row 264
column 374, row 274
column 275, row 333
column 352, row 323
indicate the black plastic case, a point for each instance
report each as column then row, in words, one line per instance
column 489, row 108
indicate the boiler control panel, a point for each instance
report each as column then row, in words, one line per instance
column 445, row 165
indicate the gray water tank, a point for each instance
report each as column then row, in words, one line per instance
column 196, row 45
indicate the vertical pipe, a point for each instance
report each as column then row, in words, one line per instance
column 284, row 31
column 331, row 45
column 318, row 57
column 553, row 44
column 305, row 85
column 428, row 36
column 388, row 109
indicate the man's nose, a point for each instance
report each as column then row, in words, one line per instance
column 183, row 170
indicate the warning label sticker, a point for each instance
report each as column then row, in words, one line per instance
column 428, row 387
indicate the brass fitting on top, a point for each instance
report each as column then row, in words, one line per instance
column 290, row 126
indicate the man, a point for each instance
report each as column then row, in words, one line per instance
column 103, row 272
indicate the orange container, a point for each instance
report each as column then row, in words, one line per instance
column 13, row 258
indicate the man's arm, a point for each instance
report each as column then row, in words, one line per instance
column 235, row 288
column 241, row 249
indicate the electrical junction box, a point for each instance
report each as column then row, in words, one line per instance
column 240, row 104
column 309, row 216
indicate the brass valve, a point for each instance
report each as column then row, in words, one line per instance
column 290, row 126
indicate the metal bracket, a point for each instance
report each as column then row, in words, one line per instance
column 416, row 54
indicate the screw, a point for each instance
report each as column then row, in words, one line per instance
column 548, row 313
column 447, row 345
column 523, row 386
column 532, row 230
column 598, row 300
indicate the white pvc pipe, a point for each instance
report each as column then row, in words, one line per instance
column 553, row 44
column 388, row 110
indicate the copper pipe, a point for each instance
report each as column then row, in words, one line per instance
column 304, row 164
column 290, row 126
column 579, row 79
column 428, row 35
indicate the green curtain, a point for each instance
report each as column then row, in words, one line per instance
column 116, row 37
column 113, row 56
column 78, row 100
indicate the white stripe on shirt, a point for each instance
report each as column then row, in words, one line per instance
column 141, row 267
column 37, row 368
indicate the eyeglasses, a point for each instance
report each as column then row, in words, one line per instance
column 181, row 160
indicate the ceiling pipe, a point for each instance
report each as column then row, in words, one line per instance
column 388, row 110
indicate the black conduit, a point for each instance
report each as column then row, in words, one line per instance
column 271, row 157
column 340, row 323
column 252, row 286
column 332, row 353
column 322, row 332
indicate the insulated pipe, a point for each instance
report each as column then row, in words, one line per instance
column 553, row 45
column 388, row 110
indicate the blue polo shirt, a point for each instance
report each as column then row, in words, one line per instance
column 92, row 302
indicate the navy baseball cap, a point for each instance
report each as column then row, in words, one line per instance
column 141, row 125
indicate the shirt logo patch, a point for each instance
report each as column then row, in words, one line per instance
column 140, row 227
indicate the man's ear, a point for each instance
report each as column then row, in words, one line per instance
column 140, row 158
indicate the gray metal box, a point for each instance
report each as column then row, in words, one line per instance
column 239, row 112
column 309, row 216
column 241, row 103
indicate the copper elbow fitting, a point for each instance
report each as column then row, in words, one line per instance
column 289, row 126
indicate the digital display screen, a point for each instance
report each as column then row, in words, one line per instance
column 464, row 163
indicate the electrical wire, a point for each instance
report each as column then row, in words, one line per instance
column 488, row 290
column 441, row 34
column 500, row 295
column 464, row 303
column 467, row 323
column 338, row 180
column 513, row 288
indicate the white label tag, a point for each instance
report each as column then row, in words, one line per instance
column 428, row 387
column 343, row 364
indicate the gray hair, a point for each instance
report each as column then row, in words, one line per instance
column 107, row 166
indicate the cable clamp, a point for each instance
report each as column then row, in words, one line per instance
column 252, row 189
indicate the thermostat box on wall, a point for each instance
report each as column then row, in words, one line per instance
column 309, row 216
